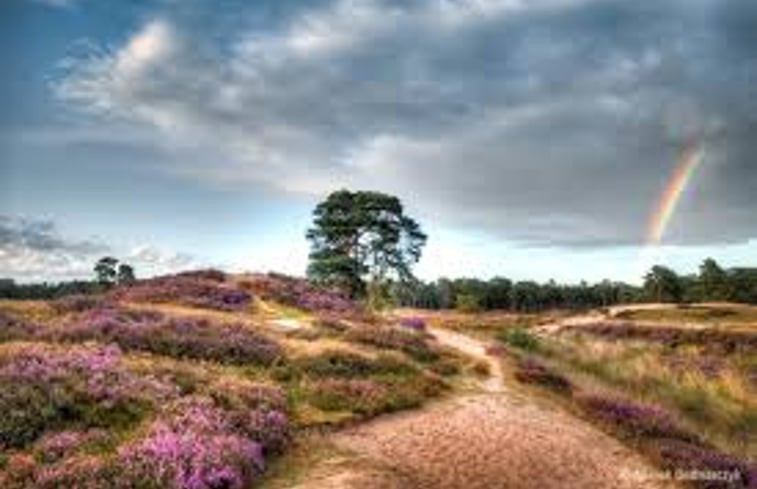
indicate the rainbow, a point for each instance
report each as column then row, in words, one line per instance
column 690, row 159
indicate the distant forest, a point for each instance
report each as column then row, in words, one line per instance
column 661, row 284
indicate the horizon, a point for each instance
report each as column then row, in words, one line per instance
column 568, row 140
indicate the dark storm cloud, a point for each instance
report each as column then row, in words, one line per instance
column 551, row 122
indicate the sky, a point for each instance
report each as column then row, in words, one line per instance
column 531, row 139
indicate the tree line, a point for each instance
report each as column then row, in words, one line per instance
column 711, row 283
column 661, row 284
column 108, row 272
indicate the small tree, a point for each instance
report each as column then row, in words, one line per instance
column 362, row 235
column 713, row 281
column 105, row 270
column 662, row 284
column 109, row 272
column 126, row 274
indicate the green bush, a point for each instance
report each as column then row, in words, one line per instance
column 468, row 303
column 28, row 410
column 336, row 363
column 412, row 343
column 344, row 364
column 521, row 338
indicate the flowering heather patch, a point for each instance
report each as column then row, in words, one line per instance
column 210, row 274
column 710, row 366
column 637, row 420
column 186, row 337
column 79, row 303
column 682, row 456
column 532, row 372
column 188, row 289
column 256, row 410
column 415, row 323
column 18, row 471
column 79, row 472
column 14, row 328
column 239, row 394
column 57, row 446
column 412, row 343
column 339, row 363
column 300, row 293
column 270, row 428
column 496, row 350
column 360, row 396
column 194, row 447
column 43, row 386
column 713, row 340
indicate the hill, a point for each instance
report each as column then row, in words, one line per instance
column 194, row 380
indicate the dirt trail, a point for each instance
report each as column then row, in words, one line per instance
column 490, row 438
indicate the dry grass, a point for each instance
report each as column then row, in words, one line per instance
column 715, row 395
column 721, row 315
column 480, row 324
column 35, row 311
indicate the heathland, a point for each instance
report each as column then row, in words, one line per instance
column 207, row 380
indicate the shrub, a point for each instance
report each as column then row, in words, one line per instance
column 15, row 328
column 210, row 274
column 331, row 324
column 468, row 303
column 337, row 363
column 83, row 471
column 531, row 372
column 185, row 337
column 636, row 420
column 359, row 396
column 409, row 342
column 195, row 445
column 42, row 386
column 78, row 303
column 57, row 446
column 683, row 456
column 28, row 410
column 717, row 341
column 188, row 289
column 18, row 472
column 414, row 323
column 520, row 338
column 481, row 368
column 445, row 367
column 299, row 293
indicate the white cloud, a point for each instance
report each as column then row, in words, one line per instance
column 34, row 250
column 151, row 260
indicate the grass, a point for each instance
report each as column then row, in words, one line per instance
column 721, row 406
column 738, row 315
column 600, row 391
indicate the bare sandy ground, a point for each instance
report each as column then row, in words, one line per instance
column 491, row 438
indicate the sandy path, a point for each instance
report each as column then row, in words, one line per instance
column 490, row 439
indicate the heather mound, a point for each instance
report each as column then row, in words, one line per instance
column 182, row 381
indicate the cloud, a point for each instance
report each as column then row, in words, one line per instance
column 552, row 122
column 152, row 260
column 41, row 235
column 33, row 249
